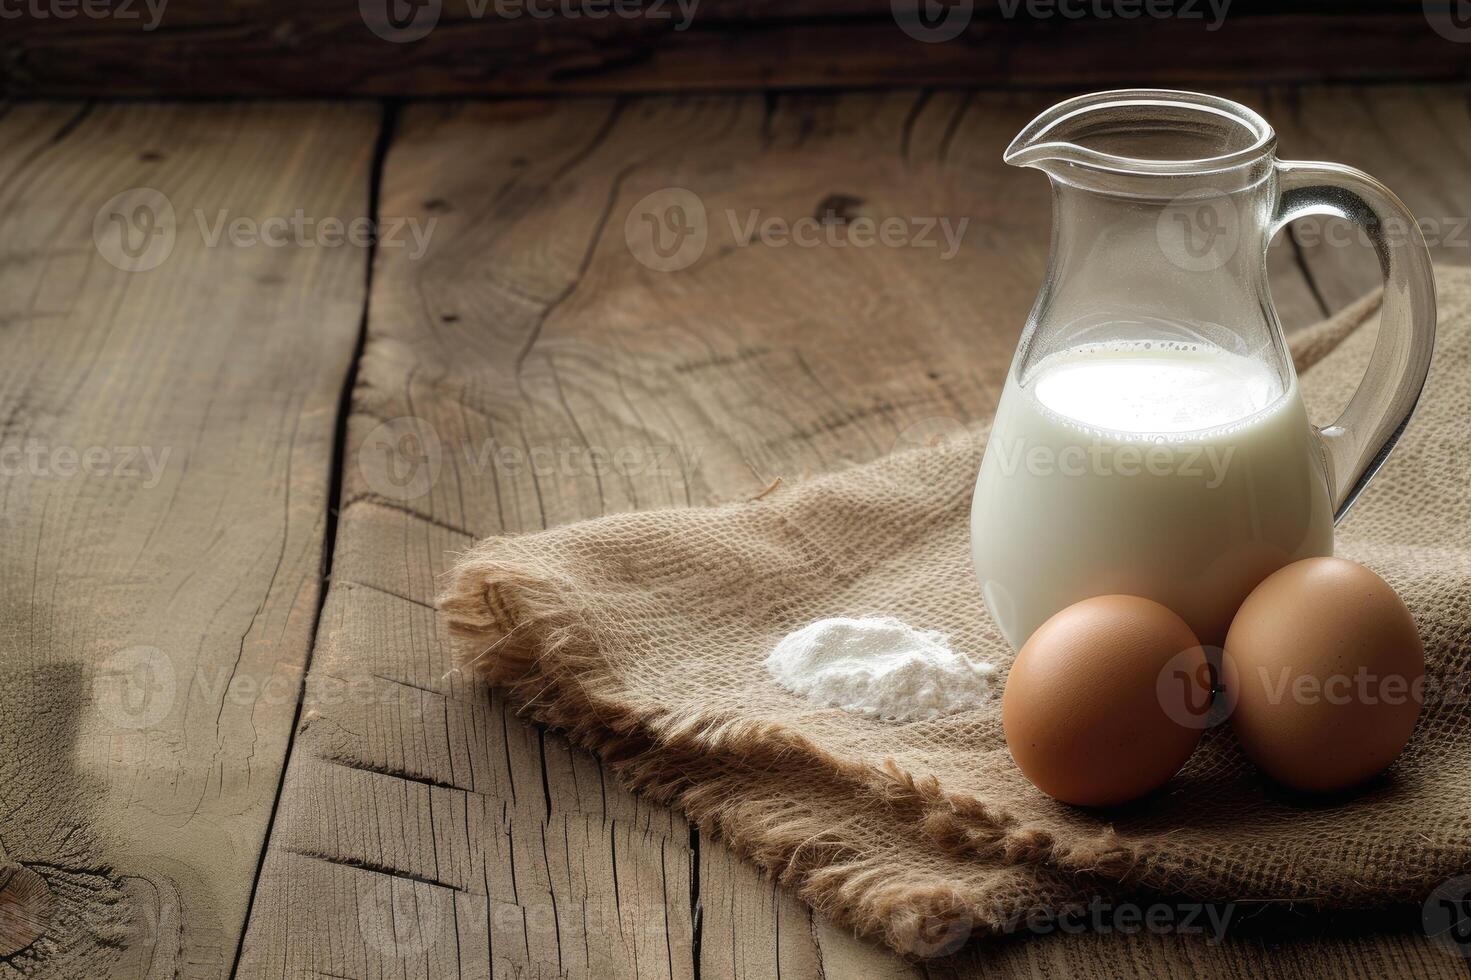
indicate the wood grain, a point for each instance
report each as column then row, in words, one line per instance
column 531, row 47
column 166, row 442
column 530, row 370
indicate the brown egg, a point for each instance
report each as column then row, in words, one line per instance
column 1083, row 710
column 1330, row 672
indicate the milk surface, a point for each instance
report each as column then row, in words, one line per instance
column 1177, row 472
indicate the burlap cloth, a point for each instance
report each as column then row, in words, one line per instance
column 642, row 635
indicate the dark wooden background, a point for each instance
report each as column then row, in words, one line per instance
column 483, row 47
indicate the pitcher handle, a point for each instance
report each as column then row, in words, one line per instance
column 1356, row 444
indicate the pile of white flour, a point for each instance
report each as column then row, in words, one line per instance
column 879, row 667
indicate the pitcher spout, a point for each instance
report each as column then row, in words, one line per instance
column 1143, row 132
column 1042, row 142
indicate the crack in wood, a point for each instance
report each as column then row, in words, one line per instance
column 360, row 864
column 329, row 539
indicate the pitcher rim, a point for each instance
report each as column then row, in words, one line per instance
column 1030, row 147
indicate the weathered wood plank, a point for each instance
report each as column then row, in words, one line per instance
column 539, row 47
column 559, row 871
column 537, row 366
column 163, row 543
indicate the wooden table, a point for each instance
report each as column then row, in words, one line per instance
column 231, row 737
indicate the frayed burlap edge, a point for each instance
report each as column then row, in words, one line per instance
column 524, row 631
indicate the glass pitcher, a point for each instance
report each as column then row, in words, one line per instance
column 1150, row 437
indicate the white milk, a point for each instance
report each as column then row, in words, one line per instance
column 1177, row 472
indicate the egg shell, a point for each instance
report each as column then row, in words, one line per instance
column 1082, row 711
column 1329, row 670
